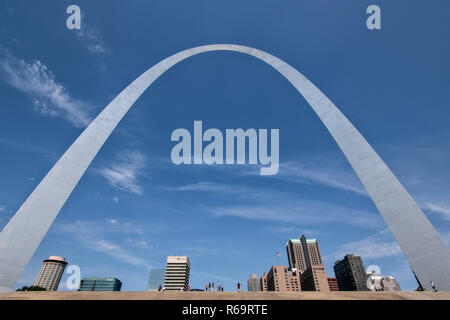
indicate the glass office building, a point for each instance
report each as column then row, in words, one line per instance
column 156, row 279
column 100, row 284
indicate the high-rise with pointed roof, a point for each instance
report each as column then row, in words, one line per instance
column 303, row 253
column 312, row 251
column 296, row 255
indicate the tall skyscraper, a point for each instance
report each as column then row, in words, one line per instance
column 281, row 278
column 253, row 284
column 51, row 273
column 351, row 274
column 303, row 253
column 332, row 283
column 100, row 284
column 296, row 255
column 156, row 279
column 315, row 279
column 312, row 251
column 177, row 273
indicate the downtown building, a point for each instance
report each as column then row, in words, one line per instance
column 382, row 283
column 303, row 253
column 351, row 274
column 156, row 279
column 281, row 278
column 332, row 283
column 315, row 279
column 100, row 284
column 388, row 283
column 253, row 283
column 263, row 281
column 51, row 273
column 177, row 273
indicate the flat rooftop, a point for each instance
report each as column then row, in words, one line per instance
column 196, row 295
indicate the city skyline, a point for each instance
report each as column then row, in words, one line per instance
column 176, row 275
column 119, row 226
column 400, row 212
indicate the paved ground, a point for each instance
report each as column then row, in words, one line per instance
column 145, row 295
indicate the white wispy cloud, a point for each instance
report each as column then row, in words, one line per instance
column 301, row 213
column 201, row 186
column 49, row 97
column 442, row 210
column 124, row 173
column 91, row 38
column 326, row 170
column 112, row 221
column 278, row 206
column 29, row 147
column 377, row 245
column 137, row 242
column 324, row 174
column 94, row 236
column 240, row 191
column 119, row 253
column 289, row 231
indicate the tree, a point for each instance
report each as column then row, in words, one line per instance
column 31, row 288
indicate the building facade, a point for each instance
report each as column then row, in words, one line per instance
column 100, row 284
column 312, row 250
column 351, row 274
column 156, row 279
column 177, row 273
column 296, row 255
column 315, row 279
column 303, row 253
column 382, row 283
column 281, row 278
column 263, row 282
column 253, row 283
column 389, row 283
column 332, row 284
column 51, row 273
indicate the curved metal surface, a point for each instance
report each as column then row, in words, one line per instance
column 423, row 247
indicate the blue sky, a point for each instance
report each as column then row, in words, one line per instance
column 134, row 207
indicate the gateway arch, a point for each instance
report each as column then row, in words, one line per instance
column 422, row 245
